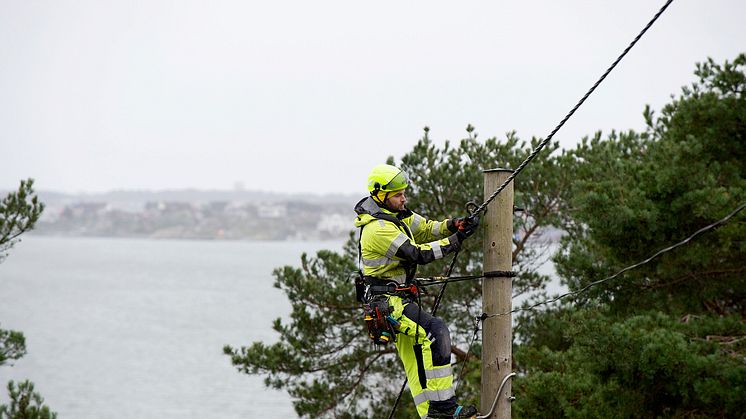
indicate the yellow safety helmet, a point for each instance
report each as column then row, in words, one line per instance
column 386, row 178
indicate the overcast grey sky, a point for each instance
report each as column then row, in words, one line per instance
column 299, row 96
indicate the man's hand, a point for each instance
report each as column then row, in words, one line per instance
column 467, row 226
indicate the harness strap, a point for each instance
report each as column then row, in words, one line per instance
column 408, row 290
column 360, row 250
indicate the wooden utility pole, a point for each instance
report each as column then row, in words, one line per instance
column 497, row 289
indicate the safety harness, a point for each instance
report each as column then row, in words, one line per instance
column 373, row 292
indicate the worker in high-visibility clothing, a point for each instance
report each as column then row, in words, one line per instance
column 393, row 241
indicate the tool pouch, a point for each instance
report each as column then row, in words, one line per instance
column 381, row 325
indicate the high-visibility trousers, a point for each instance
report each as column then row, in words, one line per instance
column 426, row 356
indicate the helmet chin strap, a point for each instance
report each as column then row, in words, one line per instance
column 374, row 194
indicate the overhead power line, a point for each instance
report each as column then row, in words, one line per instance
column 628, row 268
column 569, row 114
column 543, row 143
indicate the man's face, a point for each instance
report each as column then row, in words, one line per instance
column 396, row 201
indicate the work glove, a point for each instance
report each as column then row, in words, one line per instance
column 466, row 226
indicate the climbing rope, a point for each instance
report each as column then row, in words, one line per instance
column 569, row 114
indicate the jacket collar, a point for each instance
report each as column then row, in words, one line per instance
column 369, row 206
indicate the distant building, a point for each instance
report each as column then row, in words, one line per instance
column 155, row 206
column 266, row 210
column 85, row 209
column 334, row 224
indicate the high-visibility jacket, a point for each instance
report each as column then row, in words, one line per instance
column 392, row 244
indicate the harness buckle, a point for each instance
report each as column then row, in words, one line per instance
column 411, row 289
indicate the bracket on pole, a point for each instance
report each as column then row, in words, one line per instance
column 500, row 274
column 497, row 396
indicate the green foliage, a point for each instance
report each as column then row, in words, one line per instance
column 12, row 345
column 19, row 211
column 25, row 403
column 667, row 339
column 649, row 365
column 657, row 188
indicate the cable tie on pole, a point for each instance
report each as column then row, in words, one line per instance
column 500, row 274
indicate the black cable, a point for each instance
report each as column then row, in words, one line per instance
column 451, row 279
column 445, row 283
column 448, row 280
column 569, row 114
column 592, row 284
column 542, row 144
column 628, row 268
column 468, row 351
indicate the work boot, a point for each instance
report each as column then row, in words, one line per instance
column 457, row 411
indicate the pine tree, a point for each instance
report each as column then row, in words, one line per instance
column 19, row 212
column 667, row 339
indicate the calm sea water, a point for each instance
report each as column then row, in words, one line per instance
column 125, row 328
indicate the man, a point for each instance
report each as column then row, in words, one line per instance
column 393, row 241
